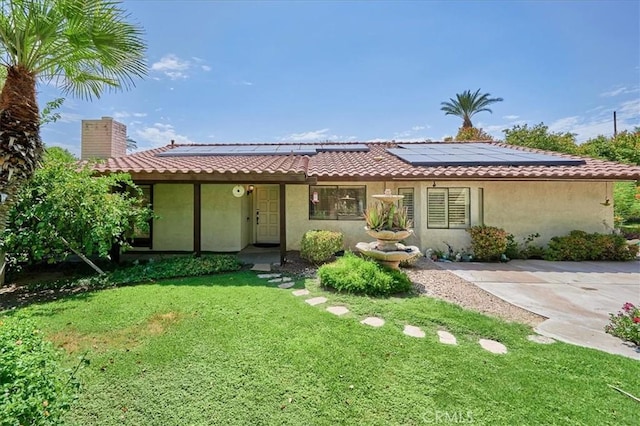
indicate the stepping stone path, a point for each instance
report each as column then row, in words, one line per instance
column 447, row 338
column 287, row 285
column 373, row 321
column 413, row 331
column 338, row 310
column 280, row 280
column 267, row 276
column 316, row 301
column 543, row 340
column 493, row 346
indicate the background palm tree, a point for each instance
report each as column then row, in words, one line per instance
column 83, row 46
column 467, row 104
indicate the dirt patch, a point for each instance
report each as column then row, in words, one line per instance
column 158, row 323
column 72, row 341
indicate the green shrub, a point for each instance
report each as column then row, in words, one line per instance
column 580, row 245
column 319, row 246
column 34, row 389
column 174, row 267
column 151, row 270
column 626, row 324
column 353, row 274
column 488, row 243
column 525, row 249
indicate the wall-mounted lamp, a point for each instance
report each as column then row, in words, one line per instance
column 250, row 189
column 434, row 184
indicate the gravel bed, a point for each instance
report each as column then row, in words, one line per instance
column 432, row 281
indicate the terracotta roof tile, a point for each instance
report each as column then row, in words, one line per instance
column 377, row 163
column 149, row 162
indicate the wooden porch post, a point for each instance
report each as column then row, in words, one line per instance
column 197, row 245
column 283, row 223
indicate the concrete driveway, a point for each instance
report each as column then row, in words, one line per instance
column 576, row 297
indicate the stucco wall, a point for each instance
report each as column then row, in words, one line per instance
column 173, row 229
column 522, row 208
column 222, row 218
column 549, row 208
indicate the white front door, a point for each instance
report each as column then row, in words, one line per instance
column 267, row 214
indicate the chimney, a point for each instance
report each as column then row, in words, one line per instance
column 103, row 138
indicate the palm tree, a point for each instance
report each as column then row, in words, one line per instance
column 83, row 46
column 467, row 104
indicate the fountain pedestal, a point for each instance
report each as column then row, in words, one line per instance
column 387, row 248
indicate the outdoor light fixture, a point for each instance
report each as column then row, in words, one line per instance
column 250, row 189
column 434, row 184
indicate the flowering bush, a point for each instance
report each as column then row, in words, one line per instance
column 488, row 243
column 579, row 245
column 626, row 324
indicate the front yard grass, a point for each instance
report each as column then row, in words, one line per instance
column 232, row 349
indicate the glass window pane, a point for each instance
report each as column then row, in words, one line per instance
column 337, row 202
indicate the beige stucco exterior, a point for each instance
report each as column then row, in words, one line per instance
column 225, row 220
column 549, row 208
column 520, row 207
column 173, row 227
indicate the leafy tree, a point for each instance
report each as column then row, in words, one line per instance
column 540, row 137
column 470, row 134
column 64, row 202
column 624, row 147
column 467, row 104
column 84, row 46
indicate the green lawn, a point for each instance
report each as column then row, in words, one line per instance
column 231, row 349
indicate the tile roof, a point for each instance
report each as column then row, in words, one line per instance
column 149, row 162
column 377, row 163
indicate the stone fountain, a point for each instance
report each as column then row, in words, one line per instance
column 387, row 248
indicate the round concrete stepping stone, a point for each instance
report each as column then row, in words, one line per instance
column 302, row 292
column 413, row 331
column 543, row 340
column 316, row 301
column 447, row 338
column 373, row 321
column 493, row 346
column 287, row 285
column 338, row 310
column 266, row 276
column 281, row 280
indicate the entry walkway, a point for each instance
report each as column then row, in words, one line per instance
column 262, row 257
column 576, row 297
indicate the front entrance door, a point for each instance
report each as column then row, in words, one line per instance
column 267, row 214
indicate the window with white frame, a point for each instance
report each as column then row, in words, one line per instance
column 448, row 208
column 333, row 202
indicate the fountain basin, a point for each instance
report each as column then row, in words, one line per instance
column 391, row 258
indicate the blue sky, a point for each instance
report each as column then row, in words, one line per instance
column 347, row 71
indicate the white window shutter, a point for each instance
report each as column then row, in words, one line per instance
column 437, row 208
column 458, row 201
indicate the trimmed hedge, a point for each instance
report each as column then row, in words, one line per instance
column 488, row 243
column 319, row 246
column 580, row 245
column 353, row 274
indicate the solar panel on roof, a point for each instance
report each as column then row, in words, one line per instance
column 257, row 149
column 476, row 154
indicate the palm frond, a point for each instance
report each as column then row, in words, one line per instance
column 467, row 104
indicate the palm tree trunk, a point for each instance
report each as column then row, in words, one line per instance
column 466, row 123
column 20, row 144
